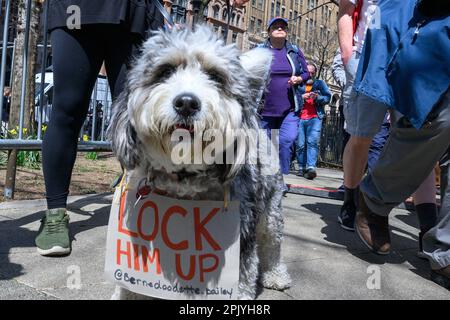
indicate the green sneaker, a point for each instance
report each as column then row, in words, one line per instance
column 53, row 238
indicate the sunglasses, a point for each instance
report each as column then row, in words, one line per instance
column 279, row 26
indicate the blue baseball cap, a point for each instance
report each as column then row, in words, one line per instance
column 273, row 20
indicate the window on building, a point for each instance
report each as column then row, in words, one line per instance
column 234, row 37
column 272, row 8
column 261, row 4
column 283, row 12
column 306, row 28
column 258, row 26
column 216, row 10
column 251, row 26
column 253, row 3
column 278, row 9
column 299, row 26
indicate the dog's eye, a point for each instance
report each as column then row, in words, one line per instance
column 164, row 72
column 216, row 76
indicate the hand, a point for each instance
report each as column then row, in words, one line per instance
column 313, row 95
column 238, row 3
column 306, row 95
column 294, row 80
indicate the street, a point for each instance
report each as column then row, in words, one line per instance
column 325, row 261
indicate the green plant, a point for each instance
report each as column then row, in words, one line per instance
column 29, row 159
column 3, row 158
column 91, row 156
column 25, row 158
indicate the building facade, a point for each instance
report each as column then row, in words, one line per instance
column 216, row 15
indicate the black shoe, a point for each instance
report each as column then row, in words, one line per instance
column 310, row 174
column 348, row 210
column 285, row 190
column 441, row 277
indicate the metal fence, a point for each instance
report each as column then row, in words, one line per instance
column 92, row 134
column 332, row 138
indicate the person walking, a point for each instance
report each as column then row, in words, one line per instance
column 282, row 99
column 411, row 33
column 109, row 31
column 316, row 95
column 362, row 122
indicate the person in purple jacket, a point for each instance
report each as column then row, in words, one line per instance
column 282, row 98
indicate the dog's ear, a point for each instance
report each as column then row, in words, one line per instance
column 257, row 64
column 122, row 134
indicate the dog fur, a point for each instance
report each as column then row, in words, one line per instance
column 228, row 85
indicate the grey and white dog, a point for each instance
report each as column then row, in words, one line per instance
column 187, row 78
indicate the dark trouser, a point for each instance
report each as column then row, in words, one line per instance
column 377, row 145
column 77, row 58
column 436, row 242
column 408, row 157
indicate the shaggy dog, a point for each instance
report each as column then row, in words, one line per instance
column 190, row 80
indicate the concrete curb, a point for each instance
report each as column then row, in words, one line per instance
column 332, row 193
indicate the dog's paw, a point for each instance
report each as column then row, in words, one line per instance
column 277, row 278
column 246, row 292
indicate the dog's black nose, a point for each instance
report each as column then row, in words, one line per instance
column 186, row 104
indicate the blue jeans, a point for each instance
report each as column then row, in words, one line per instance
column 377, row 145
column 288, row 127
column 308, row 142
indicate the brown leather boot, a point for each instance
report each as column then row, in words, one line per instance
column 372, row 229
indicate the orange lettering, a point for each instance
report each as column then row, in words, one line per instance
column 120, row 253
column 136, row 257
column 210, row 269
column 200, row 229
column 154, row 257
column 182, row 245
column 191, row 267
column 152, row 236
column 121, row 213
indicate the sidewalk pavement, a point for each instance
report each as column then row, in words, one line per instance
column 325, row 261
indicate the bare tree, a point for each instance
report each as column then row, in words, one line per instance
column 323, row 46
column 18, row 66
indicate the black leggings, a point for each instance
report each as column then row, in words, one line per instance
column 77, row 58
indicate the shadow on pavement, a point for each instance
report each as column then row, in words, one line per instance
column 13, row 234
column 403, row 248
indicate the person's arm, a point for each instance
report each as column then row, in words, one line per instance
column 345, row 29
column 324, row 95
column 305, row 74
column 337, row 69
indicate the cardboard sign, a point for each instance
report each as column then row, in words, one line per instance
column 173, row 249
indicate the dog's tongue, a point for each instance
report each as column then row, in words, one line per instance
column 189, row 128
